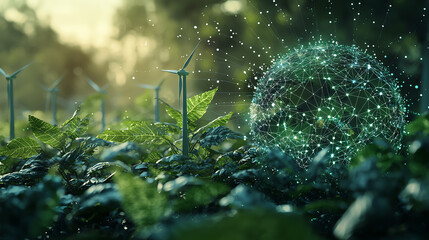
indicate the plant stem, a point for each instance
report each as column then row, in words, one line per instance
column 156, row 105
column 11, row 109
column 185, row 140
column 103, row 122
column 54, row 108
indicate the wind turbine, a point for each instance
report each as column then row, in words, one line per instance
column 182, row 76
column 9, row 80
column 103, row 92
column 156, row 88
column 52, row 91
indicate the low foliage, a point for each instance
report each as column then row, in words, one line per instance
column 134, row 183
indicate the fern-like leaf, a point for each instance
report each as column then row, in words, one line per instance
column 76, row 127
column 21, row 148
column 196, row 108
column 214, row 136
column 47, row 133
column 140, row 133
column 173, row 113
column 219, row 121
column 198, row 104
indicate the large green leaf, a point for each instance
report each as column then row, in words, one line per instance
column 21, row 148
column 214, row 136
column 75, row 126
column 140, row 200
column 47, row 133
column 198, row 104
column 219, row 121
column 173, row 113
column 141, row 132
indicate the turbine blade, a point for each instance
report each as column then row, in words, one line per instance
column 160, row 84
column 180, row 86
column 55, row 84
column 171, row 71
column 93, row 85
column 13, row 75
column 190, row 57
column 3, row 73
column 146, row 86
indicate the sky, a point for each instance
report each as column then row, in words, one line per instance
column 88, row 23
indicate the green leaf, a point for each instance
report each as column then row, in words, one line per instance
column 97, row 200
column 419, row 125
column 21, row 148
column 167, row 128
column 47, row 133
column 74, row 115
column 196, row 108
column 140, row 200
column 76, row 127
column 198, row 104
column 173, row 113
column 34, row 168
column 8, row 164
column 220, row 121
column 214, row 136
column 198, row 193
column 141, row 133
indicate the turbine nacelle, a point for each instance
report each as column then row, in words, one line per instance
column 101, row 90
column 156, row 88
column 53, row 88
column 183, row 72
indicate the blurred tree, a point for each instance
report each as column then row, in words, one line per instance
column 24, row 38
column 392, row 30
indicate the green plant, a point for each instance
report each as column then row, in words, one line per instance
column 9, row 79
column 156, row 88
column 182, row 76
column 65, row 184
column 52, row 92
column 158, row 134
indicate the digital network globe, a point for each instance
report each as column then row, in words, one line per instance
column 326, row 96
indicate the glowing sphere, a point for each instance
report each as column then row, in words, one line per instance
column 326, row 96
